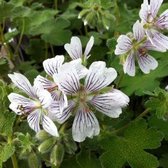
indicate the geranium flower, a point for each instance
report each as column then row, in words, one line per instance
column 154, row 24
column 135, row 46
column 86, row 93
column 74, row 49
column 52, row 66
column 35, row 107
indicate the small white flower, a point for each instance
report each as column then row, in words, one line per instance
column 85, row 22
column 10, row 31
column 86, row 94
column 136, row 47
column 53, row 66
column 35, row 107
column 166, row 87
column 74, row 49
column 154, row 24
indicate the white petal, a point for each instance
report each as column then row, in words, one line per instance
column 113, row 98
column 129, row 65
column 19, row 102
column 154, row 7
column 99, row 76
column 144, row 11
column 49, row 126
column 85, row 125
column 149, row 46
column 166, row 87
column 138, row 31
column 52, row 65
column 67, row 79
column 56, row 115
column 45, row 83
column 110, row 103
column 124, row 45
column 89, row 46
column 162, row 21
column 77, row 64
column 63, row 102
column 22, row 83
column 74, row 49
column 33, row 120
column 146, row 63
column 158, row 39
column 43, row 95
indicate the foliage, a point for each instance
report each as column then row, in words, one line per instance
column 32, row 31
column 130, row 148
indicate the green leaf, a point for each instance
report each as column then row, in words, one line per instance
column 58, row 35
column 87, row 160
column 17, row 2
column 164, row 161
column 7, row 117
column 31, row 19
column 36, row 50
column 145, row 82
column 131, row 148
column 6, row 151
column 161, row 125
column 159, row 103
column 6, row 10
column 26, row 144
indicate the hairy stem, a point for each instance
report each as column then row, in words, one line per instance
column 14, row 161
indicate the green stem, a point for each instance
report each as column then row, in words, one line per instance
column 20, row 38
column 14, row 161
column 56, row 4
column 119, row 79
column 13, row 157
column 86, row 30
column 46, row 50
column 117, row 12
column 143, row 113
column 7, row 48
column 52, row 50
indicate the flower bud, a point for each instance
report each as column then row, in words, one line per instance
column 46, row 145
column 82, row 13
column 33, row 160
column 57, row 154
column 42, row 135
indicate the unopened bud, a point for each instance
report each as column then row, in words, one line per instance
column 57, row 154
column 42, row 135
column 33, row 160
column 46, row 145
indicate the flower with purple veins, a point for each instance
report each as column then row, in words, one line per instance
column 154, row 24
column 74, row 48
column 52, row 66
column 35, row 107
column 135, row 47
column 85, row 94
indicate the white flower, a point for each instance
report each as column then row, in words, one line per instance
column 52, row 66
column 10, row 30
column 74, row 49
column 136, row 47
column 35, row 107
column 85, row 94
column 166, row 87
column 153, row 24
